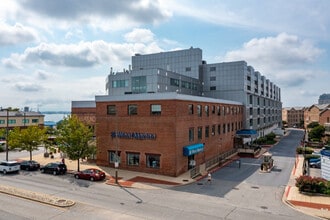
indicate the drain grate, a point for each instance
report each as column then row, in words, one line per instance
column 264, row 207
column 255, row 187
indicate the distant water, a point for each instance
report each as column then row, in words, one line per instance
column 55, row 117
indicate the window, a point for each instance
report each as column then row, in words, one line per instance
column 228, row 127
column 12, row 121
column 191, row 134
column 213, row 78
column 188, row 69
column 213, row 68
column 218, row 110
column 219, row 129
column 113, row 156
column 2, row 121
column 213, row 109
column 156, row 109
column 119, row 83
column 213, row 130
column 200, row 133
column 139, row 84
column 199, row 110
column 25, row 121
column 153, row 161
column 207, row 131
column 111, row 110
column 35, row 120
column 191, row 109
column 185, row 84
column 224, row 128
column 132, row 109
column 212, row 88
column 133, row 159
column 206, row 110
column 174, row 82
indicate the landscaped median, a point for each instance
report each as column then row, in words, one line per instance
column 38, row 197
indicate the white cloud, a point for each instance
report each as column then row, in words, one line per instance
column 139, row 35
column 280, row 58
column 17, row 34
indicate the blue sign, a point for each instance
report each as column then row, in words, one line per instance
column 133, row 135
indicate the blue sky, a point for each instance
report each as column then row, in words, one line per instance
column 53, row 52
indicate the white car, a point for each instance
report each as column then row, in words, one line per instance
column 9, row 166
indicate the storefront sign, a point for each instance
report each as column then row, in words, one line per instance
column 133, row 135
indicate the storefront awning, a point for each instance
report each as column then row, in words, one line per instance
column 193, row 149
column 247, row 133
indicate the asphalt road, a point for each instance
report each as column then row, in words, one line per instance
column 235, row 193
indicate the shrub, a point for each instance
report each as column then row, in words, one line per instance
column 306, row 150
column 313, row 185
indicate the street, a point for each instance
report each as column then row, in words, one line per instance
column 235, row 193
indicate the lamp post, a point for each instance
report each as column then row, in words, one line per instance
column 116, row 174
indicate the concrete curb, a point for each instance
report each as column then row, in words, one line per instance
column 38, row 197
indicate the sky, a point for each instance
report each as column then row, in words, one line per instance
column 55, row 52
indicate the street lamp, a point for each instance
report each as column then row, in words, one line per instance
column 116, row 167
column 7, row 128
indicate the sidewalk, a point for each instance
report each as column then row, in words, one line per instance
column 125, row 178
column 312, row 205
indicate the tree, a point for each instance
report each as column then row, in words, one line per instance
column 75, row 138
column 27, row 138
column 316, row 133
column 313, row 124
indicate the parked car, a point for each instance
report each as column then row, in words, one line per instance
column 9, row 166
column 54, row 168
column 315, row 164
column 29, row 165
column 90, row 174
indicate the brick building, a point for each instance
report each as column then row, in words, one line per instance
column 163, row 133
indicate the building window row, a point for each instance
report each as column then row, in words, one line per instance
column 226, row 128
column 133, row 159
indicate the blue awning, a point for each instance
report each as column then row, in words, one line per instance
column 193, row 149
column 246, row 132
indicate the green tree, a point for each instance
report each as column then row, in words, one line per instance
column 313, row 124
column 27, row 138
column 75, row 139
column 316, row 133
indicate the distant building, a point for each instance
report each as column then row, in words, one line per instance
column 314, row 114
column 293, row 116
column 12, row 119
column 324, row 99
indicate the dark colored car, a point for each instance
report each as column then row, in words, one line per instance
column 55, row 168
column 29, row 165
column 90, row 174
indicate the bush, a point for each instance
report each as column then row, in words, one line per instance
column 313, row 185
column 308, row 150
column 267, row 139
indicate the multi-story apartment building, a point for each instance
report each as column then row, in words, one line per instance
column 294, row 116
column 185, row 72
column 174, row 109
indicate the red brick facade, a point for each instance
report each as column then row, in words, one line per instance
column 171, row 129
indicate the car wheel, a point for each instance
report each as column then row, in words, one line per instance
column 4, row 171
column 76, row 176
column 92, row 178
column 27, row 169
column 54, row 173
